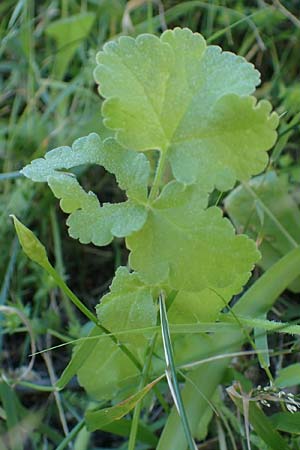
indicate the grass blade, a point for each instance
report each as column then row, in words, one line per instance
column 171, row 373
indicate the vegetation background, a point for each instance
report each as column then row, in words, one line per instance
column 48, row 98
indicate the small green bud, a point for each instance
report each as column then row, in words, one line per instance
column 30, row 244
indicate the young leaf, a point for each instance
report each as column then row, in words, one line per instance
column 89, row 221
column 98, row 225
column 175, row 94
column 179, row 233
column 131, row 170
column 132, row 302
column 31, row 246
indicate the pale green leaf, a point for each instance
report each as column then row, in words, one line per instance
column 228, row 145
column 99, row 225
column 131, row 302
column 203, row 306
column 180, row 234
column 93, row 359
column 85, row 150
column 89, row 221
column 131, row 169
column 181, row 97
column 80, row 354
column 106, row 370
column 244, row 211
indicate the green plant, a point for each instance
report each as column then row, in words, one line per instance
column 184, row 124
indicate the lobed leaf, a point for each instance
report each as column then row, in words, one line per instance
column 85, row 150
column 132, row 302
column 179, row 234
column 105, row 370
column 183, row 98
column 203, row 306
column 100, row 224
column 89, row 221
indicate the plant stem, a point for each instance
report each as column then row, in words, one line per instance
column 74, row 299
column 60, row 265
column 138, row 407
column 71, row 435
column 149, row 16
column 158, row 175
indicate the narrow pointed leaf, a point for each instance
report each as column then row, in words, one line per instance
column 30, row 244
column 95, row 420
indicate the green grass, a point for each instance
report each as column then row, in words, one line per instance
column 48, row 98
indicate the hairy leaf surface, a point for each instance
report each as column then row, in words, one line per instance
column 188, row 247
column 89, row 221
column 177, row 95
column 131, row 302
column 203, row 306
column 106, row 370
